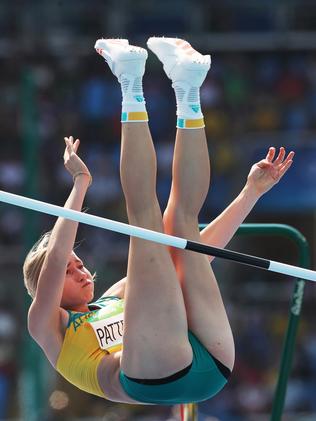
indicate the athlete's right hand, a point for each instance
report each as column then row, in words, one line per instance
column 74, row 165
column 269, row 171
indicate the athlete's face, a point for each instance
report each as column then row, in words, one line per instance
column 79, row 286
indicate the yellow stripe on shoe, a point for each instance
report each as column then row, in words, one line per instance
column 190, row 124
column 134, row 116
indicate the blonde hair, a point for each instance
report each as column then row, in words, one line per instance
column 33, row 263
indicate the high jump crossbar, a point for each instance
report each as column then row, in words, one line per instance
column 157, row 237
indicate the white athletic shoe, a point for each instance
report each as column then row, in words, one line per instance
column 180, row 61
column 122, row 57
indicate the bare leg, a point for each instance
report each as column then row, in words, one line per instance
column 155, row 335
column 206, row 314
column 155, row 325
column 187, row 69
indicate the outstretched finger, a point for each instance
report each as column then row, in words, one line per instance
column 285, row 166
column 68, row 149
column 66, row 152
column 67, row 142
column 76, row 145
column 270, row 154
column 280, row 156
column 70, row 144
column 289, row 157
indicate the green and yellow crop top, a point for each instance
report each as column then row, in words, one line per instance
column 88, row 338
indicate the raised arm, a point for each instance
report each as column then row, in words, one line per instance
column 262, row 177
column 44, row 310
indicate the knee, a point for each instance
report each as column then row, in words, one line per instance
column 228, row 354
column 184, row 203
column 146, row 216
column 139, row 206
column 180, row 219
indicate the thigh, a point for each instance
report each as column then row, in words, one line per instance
column 155, row 342
column 207, row 317
column 206, row 313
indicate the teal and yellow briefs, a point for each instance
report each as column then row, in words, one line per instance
column 204, row 378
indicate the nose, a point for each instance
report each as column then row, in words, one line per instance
column 81, row 276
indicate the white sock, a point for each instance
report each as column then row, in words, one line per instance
column 133, row 102
column 189, row 111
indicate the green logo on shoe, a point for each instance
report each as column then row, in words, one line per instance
column 195, row 108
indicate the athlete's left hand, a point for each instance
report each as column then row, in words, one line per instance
column 73, row 163
column 269, row 171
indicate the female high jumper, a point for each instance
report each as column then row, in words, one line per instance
column 161, row 335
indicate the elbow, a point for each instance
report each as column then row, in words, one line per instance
column 33, row 326
column 39, row 322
